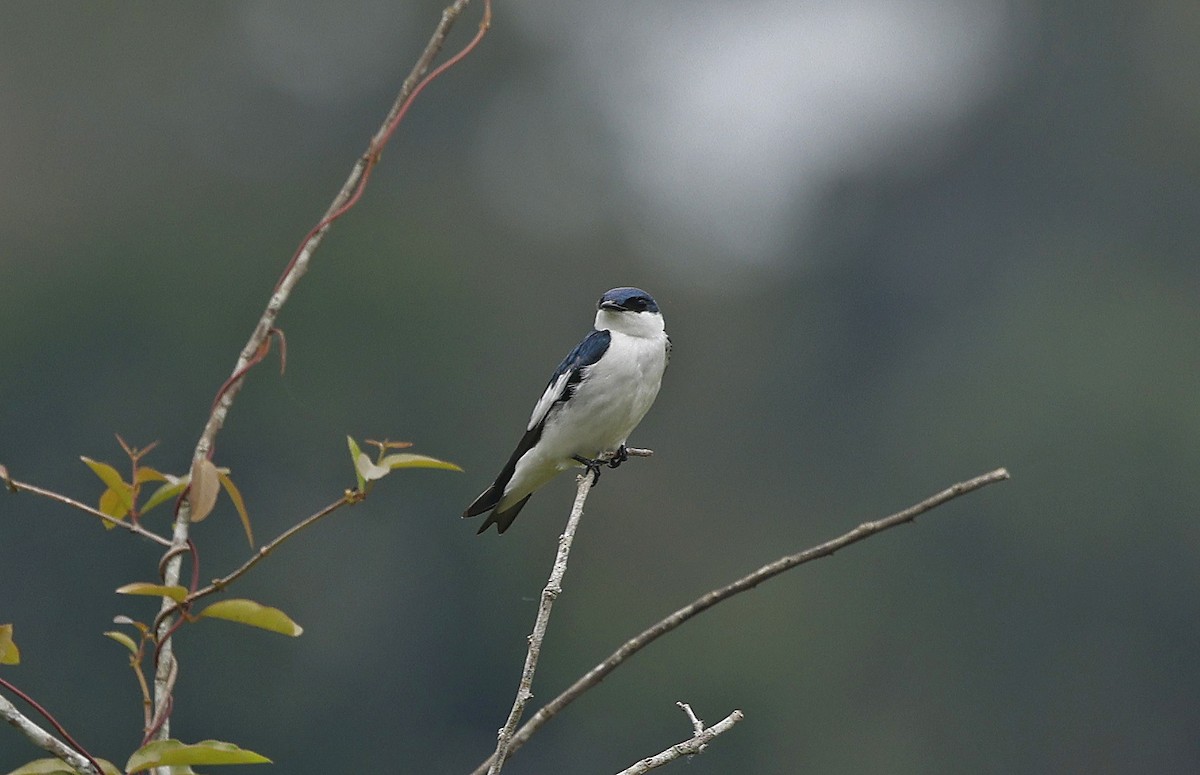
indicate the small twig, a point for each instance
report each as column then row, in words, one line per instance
column 697, row 724
column 74, row 756
column 218, row 584
column 549, row 594
column 708, row 600
column 131, row 526
column 697, row 743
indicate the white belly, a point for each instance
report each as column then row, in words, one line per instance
column 607, row 405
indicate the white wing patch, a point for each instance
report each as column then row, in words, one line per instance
column 553, row 392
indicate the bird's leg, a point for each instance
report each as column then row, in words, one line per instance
column 593, row 466
column 619, row 457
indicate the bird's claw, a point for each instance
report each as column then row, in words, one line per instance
column 593, row 466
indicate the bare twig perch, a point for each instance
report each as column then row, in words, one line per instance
column 708, row 600
column 549, row 594
column 699, row 740
column 697, row 723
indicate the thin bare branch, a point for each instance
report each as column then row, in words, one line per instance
column 216, row 585
column 694, row 745
column 549, row 594
column 708, row 600
column 252, row 351
column 697, row 723
column 108, row 519
column 219, row 584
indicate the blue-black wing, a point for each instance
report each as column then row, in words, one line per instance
column 559, row 390
column 562, row 385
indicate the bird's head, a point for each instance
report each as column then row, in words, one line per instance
column 629, row 311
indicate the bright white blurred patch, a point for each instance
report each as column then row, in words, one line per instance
column 710, row 129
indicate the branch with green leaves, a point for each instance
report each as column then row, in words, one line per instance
column 195, row 495
column 258, row 345
column 121, row 505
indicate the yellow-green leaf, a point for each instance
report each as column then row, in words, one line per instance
column 9, row 653
column 174, row 591
column 253, row 614
column 110, row 477
column 123, row 619
column 170, row 489
column 59, row 767
column 355, row 454
column 165, row 753
column 113, row 503
column 206, row 484
column 124, row 640
column 410, row 460
column 148, row 474
column 238, row 503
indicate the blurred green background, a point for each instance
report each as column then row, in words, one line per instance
column 896, row 244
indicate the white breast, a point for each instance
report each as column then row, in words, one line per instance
column 610, row 401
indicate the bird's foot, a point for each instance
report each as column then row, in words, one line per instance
column 619, row 457
column 593, row 466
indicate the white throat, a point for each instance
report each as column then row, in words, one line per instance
column 642, row 324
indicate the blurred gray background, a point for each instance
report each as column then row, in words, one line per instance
column 897, row 244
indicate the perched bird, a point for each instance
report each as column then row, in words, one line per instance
column 594, row 400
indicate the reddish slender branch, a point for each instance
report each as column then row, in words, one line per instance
column 349, row 194
column 216, row 585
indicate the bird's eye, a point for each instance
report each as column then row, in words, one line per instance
column 637, row 304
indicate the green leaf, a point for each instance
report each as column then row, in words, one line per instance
column 110, row 477
column 112, row 503
column 206, row 484
column 238, row 503
column 253, row 614
column 9, row 653
column 355, row 454
column 410, row 460
column 174, row 591
column 124, row 640
column 147, row 474
column 165, row 753
column 59, row 767
column 171, row 489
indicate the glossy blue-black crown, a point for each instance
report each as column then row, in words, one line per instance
column 628, row 300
